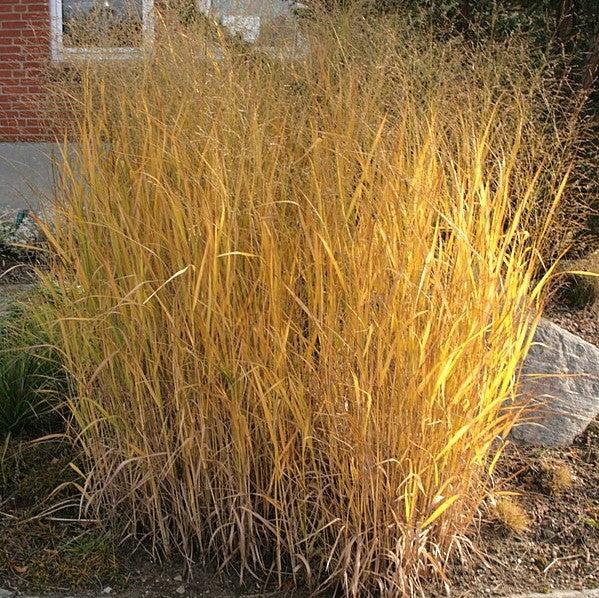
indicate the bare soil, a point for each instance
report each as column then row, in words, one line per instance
column 42, row 552
column 561, row 549
column 18, row 268
column 584, row 322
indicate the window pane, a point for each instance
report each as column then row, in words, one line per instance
column 102, row 23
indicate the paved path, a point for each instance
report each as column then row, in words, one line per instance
column 563, row 594
column 26, row 174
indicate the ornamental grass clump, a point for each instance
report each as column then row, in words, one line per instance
column 293, row 295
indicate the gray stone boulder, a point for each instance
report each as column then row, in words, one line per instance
column 560, row 382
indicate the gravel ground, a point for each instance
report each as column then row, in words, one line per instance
column 583, row 322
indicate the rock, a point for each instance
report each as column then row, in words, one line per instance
column 19, row 229
column 6, row 593
column 560, row 381
column 178, row 578
column 180, row 589
column 107, row 590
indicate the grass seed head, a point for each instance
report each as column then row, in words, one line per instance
column 512, row 515
column 557, row 476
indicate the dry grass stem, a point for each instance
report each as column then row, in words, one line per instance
column 294, row 295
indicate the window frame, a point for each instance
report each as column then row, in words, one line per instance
column 60, row 52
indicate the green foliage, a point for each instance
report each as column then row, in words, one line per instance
column 31, row 376
column 498, row 16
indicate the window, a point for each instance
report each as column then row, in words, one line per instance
column 105, row 29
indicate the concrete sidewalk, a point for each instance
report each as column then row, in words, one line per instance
column 562, row 594
column 26, row 174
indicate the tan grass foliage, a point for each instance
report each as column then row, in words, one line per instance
column 512, row 515
column 293, row 295
column 557, row 475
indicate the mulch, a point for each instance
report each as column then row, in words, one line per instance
column 584, row 322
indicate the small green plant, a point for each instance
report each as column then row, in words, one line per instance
column 581, row 285
column 31, row 377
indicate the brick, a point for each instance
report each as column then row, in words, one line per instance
column 13, row 23
column 14, row 89
column 9, row 54
column 24, row 56
column 35, row 11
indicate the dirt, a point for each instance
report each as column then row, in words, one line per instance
column 41, row 550
column 561, row 549
column 47, row 548
column 18, row 268
column 584, row 322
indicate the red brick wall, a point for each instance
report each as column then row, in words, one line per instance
column 24, row 56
